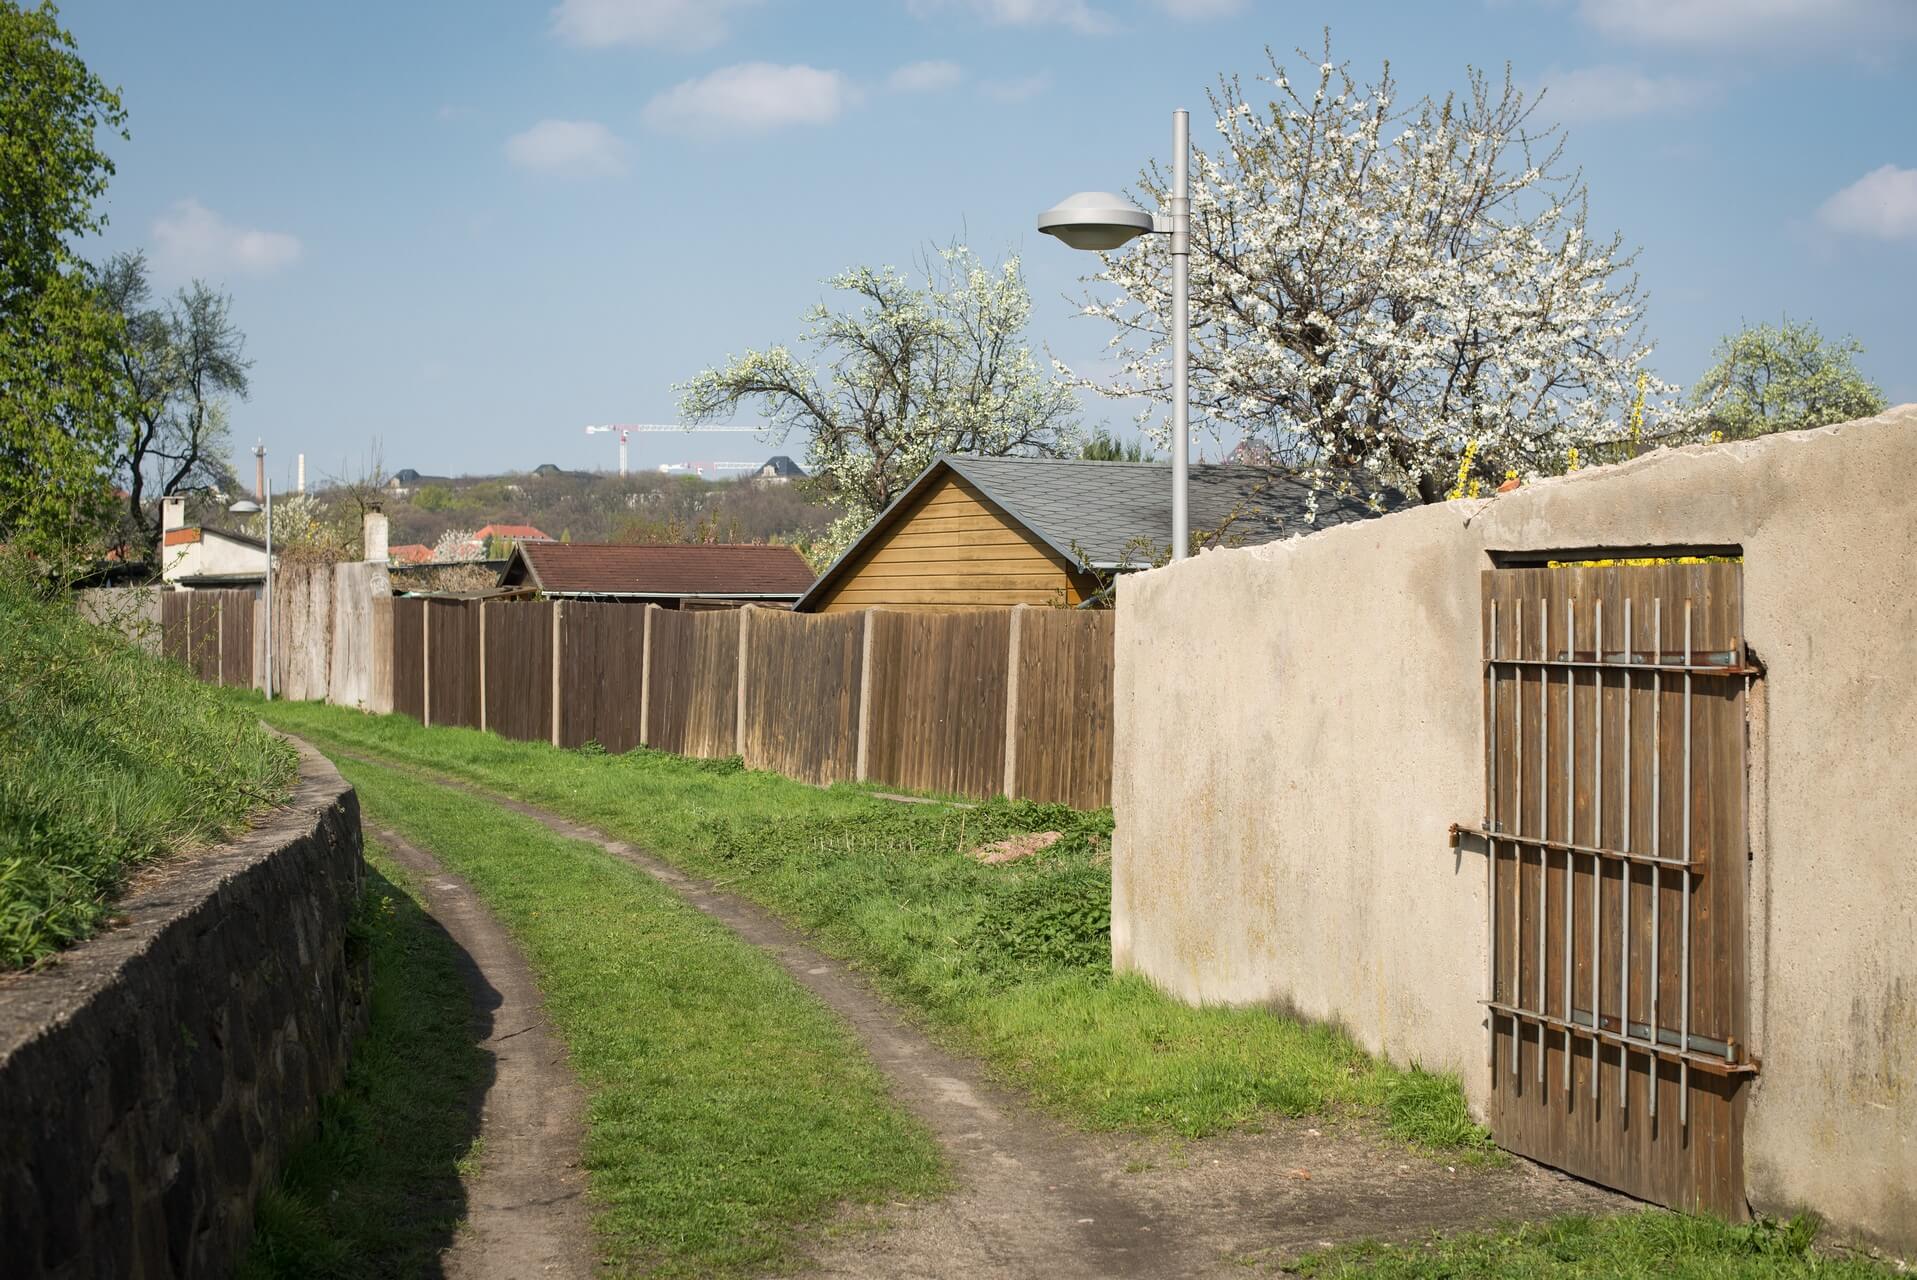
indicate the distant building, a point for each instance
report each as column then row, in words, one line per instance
column 406, row 481
column 410, row 553
column 198, row 556
column 677, row 576
column 778, row 469
column 511, row 533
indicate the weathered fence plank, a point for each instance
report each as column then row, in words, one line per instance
column 802, row 694
column 938, row 687
column 694, row 703
column 602, row 646
column 1063, row 727
column 518, row 670
column 409, row 656
column 452, row 663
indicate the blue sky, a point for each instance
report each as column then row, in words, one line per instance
column 466, row 228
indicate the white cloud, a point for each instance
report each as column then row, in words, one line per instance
column 568, row 149
column 1613, row 92
column 1881, row 204
column 190, row 239
column 1198, row 10
column 675, row 24
column 924, row 77
column 1738, row 23
column 1074, row 14
column 1023, row 89
column 752, row 97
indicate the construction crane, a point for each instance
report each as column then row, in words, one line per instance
column 627, row 428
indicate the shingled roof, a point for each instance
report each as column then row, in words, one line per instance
column 725, row 571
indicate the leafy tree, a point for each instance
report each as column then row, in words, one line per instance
column 1106, row 447
column 1784, row 377
column 914, row 371
column 1377, row 286
column 59, row 400
column 180, row 361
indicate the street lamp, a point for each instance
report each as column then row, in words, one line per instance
column 1100, row 221
column 247, row 507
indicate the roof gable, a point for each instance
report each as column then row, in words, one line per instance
column 729, row 570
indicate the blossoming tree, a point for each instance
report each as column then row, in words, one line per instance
column 1381, row 292
column 907, row 372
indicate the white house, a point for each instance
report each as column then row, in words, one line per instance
column 199, row 556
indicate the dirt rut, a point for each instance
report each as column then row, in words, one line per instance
column 1035, row 1198
column 525, row 1202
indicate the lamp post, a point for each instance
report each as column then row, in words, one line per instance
column 245, row 507
column 1099, row 220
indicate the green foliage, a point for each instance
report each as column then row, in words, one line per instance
column 1648, row 1245
column 1784, row 377
column 109, row 758
column 1106, row 447
column 726, row 1107
column 1012, row 962
column 373, row 1189
column 59, row 412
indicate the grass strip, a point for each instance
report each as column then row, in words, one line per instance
column 1651, row 1245
column 1010, row 962
column 727, row 1108
column 109, row 758
column 374, row 1191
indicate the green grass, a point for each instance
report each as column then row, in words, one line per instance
column 374, row 1190
column 1008, row 962
column 109, row 758
column 727, row 1109
column 1651, row 1245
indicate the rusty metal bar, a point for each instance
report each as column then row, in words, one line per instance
column 1657, row 822
column 1517, row 850
column 1570, row 815
column 1582, row 850
column 1544, row 813
column 1597, row 835
column 1624, row 893
column 1669, row 668
column 1709, row 1062
column 1684, row 1026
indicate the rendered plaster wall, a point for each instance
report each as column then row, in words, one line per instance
column 1299, row 723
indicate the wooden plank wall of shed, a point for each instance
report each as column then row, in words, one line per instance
column 802, row 694
column 1064, row 727
column 518, row 670
column 937, row 721
column 956, row 549
column 694, row 704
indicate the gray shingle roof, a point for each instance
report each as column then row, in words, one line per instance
column 1116, row 514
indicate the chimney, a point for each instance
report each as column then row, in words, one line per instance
column 372, row 536
column 259, row 472
column 172, row 514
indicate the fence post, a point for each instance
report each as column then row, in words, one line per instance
column 219, row 638
column 645, row 679
column 482, row 666
column 558, row 639
column 863, row 755
column 1012, row 664
column 739, row 721
column 426, row 661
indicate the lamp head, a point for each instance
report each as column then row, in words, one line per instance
column 1096, row 220
column 245, row 507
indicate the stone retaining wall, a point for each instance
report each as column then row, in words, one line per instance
column 150, row 1082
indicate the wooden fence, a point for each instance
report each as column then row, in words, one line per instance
column 211, row 632
column 1015, row 702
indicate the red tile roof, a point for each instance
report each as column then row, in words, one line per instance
column 704, row 569
column 517, row 531
column 410, row 553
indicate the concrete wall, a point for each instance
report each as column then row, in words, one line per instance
column 132, row 611
column 356, row 657
column 152, row 1080
column 1299, row 723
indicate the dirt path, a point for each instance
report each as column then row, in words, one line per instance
column 1035, row 1198
column 525, row 1202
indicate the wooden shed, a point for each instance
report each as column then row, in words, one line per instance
column 985, row 533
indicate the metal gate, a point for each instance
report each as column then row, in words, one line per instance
column 1616, row 874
